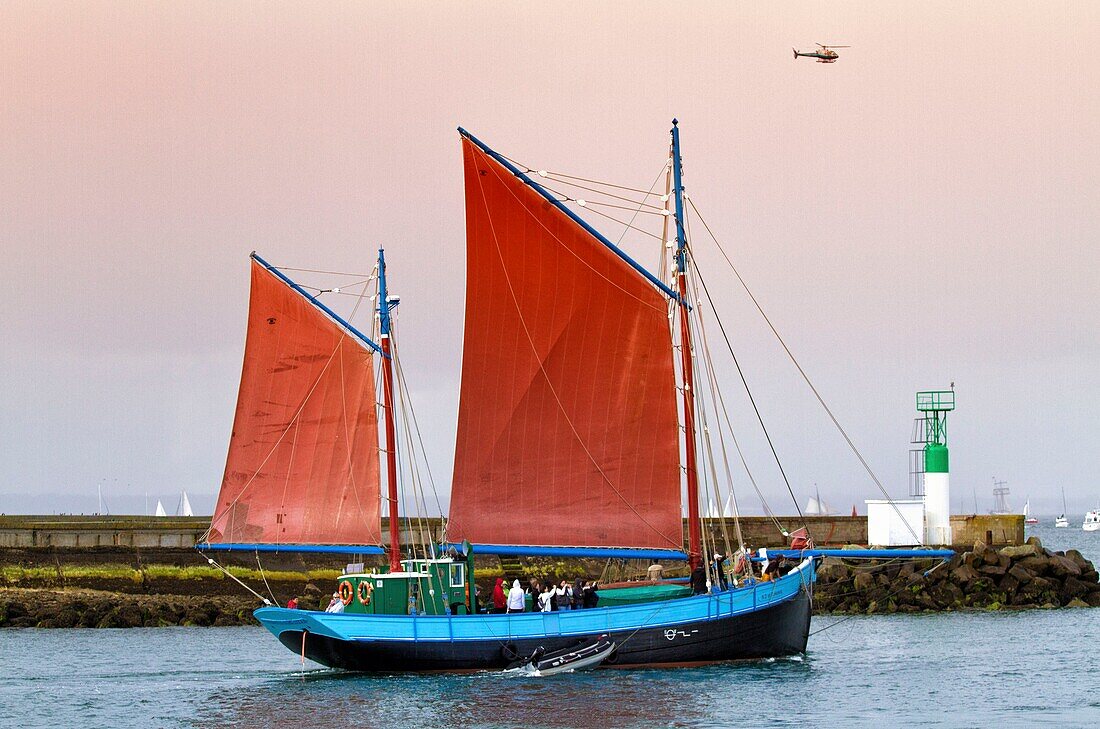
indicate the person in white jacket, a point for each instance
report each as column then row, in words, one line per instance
column 515, row 598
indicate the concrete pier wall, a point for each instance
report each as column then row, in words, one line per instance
column 176, row 532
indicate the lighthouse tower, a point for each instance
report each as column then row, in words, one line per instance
column 934, row 407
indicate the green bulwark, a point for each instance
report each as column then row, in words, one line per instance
column 648, row 593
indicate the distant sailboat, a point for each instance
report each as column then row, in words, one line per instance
column 1062, row 522
column 185, row 506
column 160, row 509
column 816, row 506
column 1028, row 518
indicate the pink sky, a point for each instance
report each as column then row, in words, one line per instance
column 924, row 210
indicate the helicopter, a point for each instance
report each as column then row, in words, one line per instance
column 825, row 55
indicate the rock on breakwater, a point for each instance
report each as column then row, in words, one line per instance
column 1025, row 576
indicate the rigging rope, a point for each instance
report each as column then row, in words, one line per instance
column 264, row 576
column 712, row 384
column 664, row 207
column 637, row 203
column 546, row 173
column 233, row 577
column 330, row 273
column 805, row 377
column 748, row 391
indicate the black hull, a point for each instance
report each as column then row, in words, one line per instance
column 779, row 630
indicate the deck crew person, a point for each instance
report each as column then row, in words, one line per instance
column 546, row 597
column 515, row 598
column 720, row 571
column 335, row 605
column 500, row 600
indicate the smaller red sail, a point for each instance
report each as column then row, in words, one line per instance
column 303, row 463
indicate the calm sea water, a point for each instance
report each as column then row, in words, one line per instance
column 971, row 670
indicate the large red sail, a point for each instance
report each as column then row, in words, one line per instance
column 303, row 458
column 567, row 426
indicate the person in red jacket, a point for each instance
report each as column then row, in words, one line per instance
column 500, row 600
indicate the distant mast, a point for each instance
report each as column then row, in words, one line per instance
column 387, row 404
column 695, row 549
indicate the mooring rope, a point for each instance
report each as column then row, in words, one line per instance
column 233, row 577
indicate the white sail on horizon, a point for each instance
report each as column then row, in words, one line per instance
column 160, row 509
column 185, row 509
column 817, row 506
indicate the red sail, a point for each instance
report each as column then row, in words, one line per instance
column 567, row 425
column 303, row 459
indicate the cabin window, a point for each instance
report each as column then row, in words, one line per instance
column 424, row 567
column 458, row 575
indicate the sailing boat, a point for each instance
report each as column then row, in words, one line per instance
column 160, row 509
column 184, row 508
column 568, row 445
column 1028, row 518
column 816, row 506
column 1062, row 522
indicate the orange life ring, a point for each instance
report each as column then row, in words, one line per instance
column 364, row 591
column 346, row 592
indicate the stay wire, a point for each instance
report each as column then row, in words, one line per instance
column 712, row 384
column 264, row 576
column 546, row 173
column 820, row 399
column 623, row 198
column 748, row 391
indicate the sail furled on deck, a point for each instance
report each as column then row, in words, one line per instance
column 567, row 429
column 303, row 463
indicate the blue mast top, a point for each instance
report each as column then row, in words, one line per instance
column 678, row 191
column 317, row 302
column 573, row 216
column 383, row 295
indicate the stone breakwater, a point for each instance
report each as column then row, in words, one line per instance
column 82, row 608
column 984, row 578
column 1021, row 577
column 79, row 608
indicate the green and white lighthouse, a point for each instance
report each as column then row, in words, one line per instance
column 934, row 406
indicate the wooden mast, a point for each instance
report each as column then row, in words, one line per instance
column 695, row 548
column 387, row 405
